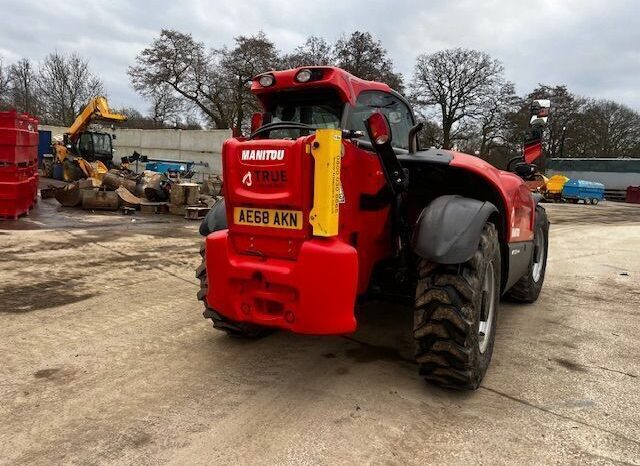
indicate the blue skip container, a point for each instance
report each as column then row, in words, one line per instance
column 582, row 190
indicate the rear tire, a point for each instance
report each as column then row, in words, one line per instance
column 455, row 316
column 47, row 167
column 220, row 322
column 527, row 289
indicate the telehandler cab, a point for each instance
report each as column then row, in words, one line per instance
column 330, row 200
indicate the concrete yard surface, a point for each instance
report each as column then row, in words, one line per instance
column 106, row 359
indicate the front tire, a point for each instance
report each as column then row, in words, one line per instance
column 456, row 311
column 220, row 322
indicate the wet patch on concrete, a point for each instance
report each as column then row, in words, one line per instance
column 366, row 353
column 608, row 213
column 571, row 365
column 18, row 299
column 47, row 373
column 580, row 403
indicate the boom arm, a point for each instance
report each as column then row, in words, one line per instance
column 96, row 109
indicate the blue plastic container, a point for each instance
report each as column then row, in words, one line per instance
column 582, row 190
column 58, row 172
column 44, row 144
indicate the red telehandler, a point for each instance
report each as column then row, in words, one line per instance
column 330, row 200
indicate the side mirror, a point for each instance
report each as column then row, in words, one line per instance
column 525, row 171
column 379, row 129
column 380, row 134
column 540, row 112
column 114, row 137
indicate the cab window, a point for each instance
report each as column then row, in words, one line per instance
column 397, row 112
column 320, row 108
column 85, row 144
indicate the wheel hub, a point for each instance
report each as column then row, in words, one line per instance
column 539, row 254
column 487, row 308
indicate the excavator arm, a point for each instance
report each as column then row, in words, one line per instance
column 96, row 109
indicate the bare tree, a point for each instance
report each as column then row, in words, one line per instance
column 363, row 56
column 4, row 84
column 251, row 55
column 217, row 82
column 606, row 129
column 23, row 87
column 65, row 85
column 499, row 102
column 316, row 51
column 457, row 82
column 165, row 106
column 184, row 65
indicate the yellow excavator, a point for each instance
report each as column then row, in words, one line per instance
column 84, row 153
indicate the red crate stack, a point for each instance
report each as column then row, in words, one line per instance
column 18, row 163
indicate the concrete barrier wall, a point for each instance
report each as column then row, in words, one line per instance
column 175, row 144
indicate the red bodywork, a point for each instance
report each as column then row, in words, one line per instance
column 288, row 278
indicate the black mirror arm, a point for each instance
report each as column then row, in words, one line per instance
column 394, row 173
column 413, row 139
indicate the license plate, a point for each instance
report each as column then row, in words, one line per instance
column 274, row 218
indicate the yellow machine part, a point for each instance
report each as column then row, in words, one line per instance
column 60, row 152
column 556, row 183
column 77, row 168
column 96, row 109
column 327, row 152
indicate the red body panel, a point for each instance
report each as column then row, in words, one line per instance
column 245, row 186
column 518, row 202
column 348, row 86
column 314, row 294
column 317, row 279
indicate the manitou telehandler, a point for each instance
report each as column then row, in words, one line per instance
column 330, row 200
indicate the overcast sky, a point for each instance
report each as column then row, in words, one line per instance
column 593, row 46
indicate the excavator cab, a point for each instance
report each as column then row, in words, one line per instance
column 93, row 146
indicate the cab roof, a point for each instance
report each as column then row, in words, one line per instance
column 347, row 85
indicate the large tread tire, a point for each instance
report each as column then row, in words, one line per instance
column 47, row 167
column 527, row 289
column 449, row 303
column 233, row 328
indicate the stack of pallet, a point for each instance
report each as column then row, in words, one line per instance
column 18, row 164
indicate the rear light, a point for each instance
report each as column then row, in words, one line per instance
column 303, row 76
column 307, row 75
column 267, row 80
column 379, row 130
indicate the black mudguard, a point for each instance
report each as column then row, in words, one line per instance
column 215, row 220
column 448, row 230
column 537, row 198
